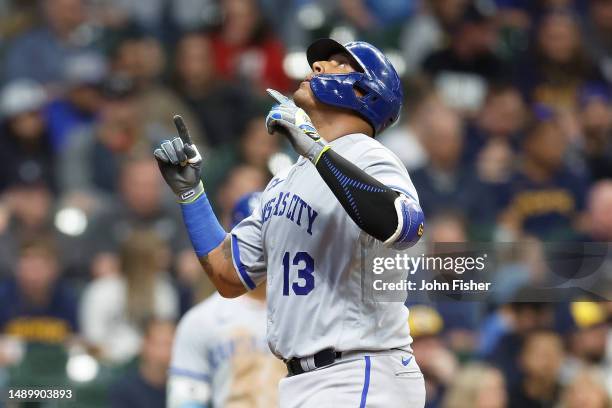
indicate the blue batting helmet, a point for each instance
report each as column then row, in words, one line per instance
column 376, row 79
column 244, row 207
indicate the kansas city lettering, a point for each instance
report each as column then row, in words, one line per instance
column 292, row 207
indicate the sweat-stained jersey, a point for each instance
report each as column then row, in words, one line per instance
column 301, row 240
column 221, row 346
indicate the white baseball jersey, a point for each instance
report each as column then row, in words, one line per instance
column 220, row 356
column 306, row 246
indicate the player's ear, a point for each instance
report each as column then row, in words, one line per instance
column 318, row 68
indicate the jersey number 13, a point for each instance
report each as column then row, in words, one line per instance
column 304, row 264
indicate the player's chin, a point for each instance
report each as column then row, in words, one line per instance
column 303, row 96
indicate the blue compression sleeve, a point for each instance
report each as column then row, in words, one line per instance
column 202, row 225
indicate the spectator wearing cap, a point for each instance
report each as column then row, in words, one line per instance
column 35, row 305
column 25, row 148
column 82, row 98
column 464, row 69
column 544, row 197
column 40, row 54
column 28, row 184
column 207, row 94
column 595, row 120
column 588, row 340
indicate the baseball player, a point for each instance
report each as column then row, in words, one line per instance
column 346, row 193
column 220, row 357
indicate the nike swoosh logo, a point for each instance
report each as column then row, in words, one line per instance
column 405, row 361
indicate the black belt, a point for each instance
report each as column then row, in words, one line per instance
column 321, row 359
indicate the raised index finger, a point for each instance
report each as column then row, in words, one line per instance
column 279, row 97
column 182, row 129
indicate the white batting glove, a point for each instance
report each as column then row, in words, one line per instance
column 293, row 123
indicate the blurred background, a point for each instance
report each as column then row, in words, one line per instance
column 506, row 132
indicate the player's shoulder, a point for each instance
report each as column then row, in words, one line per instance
column 278, row 178
column 365, row 150
column 283, row 173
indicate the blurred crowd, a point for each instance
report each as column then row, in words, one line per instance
column 506, row 132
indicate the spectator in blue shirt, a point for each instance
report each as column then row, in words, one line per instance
column 40, row 54
column 78, row 106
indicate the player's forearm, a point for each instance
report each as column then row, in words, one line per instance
column 212, row 245
column 180, row 165
column 219, row 267
column 374, row 207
